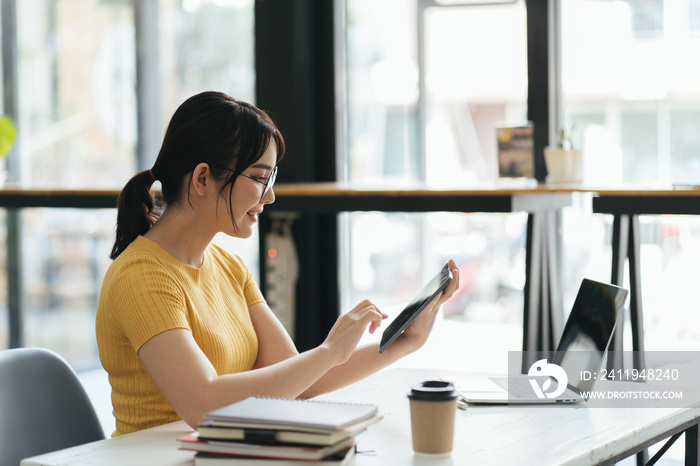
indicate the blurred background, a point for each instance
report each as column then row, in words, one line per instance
column 631, row 96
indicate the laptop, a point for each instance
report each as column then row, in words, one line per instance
column 582, row 347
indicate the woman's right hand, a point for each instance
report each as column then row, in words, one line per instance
column 350, row 327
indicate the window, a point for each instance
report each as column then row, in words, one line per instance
column 632, row 97
column 206, row 45
column 694, row 16
column 76, row 92
column 645, row 93
column 78, row 98
column 647, row 18
column 629, row 92
column 426, row 87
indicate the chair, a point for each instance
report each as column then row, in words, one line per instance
column 43, row 406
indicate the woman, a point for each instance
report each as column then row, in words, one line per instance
column 182, row 328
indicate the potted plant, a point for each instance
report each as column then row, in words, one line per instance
column 8, row 132
column 564, row 163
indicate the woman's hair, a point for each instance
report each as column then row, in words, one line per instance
column 212, row 128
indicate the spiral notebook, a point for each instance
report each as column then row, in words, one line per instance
column 293, row 413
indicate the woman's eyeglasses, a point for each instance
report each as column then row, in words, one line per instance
column 267, row 183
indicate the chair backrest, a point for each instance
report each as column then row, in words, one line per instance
column 43, row 406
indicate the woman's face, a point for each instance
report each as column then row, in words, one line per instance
column 246, row 201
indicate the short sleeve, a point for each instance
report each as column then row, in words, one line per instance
column 147, row 301
column 251, row 291
column 236, row 270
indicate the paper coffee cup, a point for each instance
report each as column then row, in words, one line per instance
column 433, row 405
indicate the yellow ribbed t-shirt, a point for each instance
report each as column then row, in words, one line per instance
column 146, row 291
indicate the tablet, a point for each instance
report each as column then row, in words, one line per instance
column 427, row 294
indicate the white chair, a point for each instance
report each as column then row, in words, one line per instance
column 43, row 406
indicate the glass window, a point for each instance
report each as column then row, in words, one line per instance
column 473, row 63
column 77, row 128
column 77, row 63
column 476, row 77
column 382, row 147
column 65, row 254
column 646, row 90
column 647, row 17
column 76, row 92
column 640, row 139
column 694, row 17
column 684, row 145
column 206, row 45
column 77, row 117
column 382, row 80
column 632, row 96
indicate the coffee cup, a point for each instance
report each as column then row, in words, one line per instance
column 433, row 404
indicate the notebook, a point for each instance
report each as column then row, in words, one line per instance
column 282, row 451
column 211, row 431
column 342, row 458
column 288, row 413
column 582, row 347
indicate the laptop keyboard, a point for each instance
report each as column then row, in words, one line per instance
column 517, row 387
column 520, row 388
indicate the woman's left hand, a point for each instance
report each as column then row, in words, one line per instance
column 417, row 333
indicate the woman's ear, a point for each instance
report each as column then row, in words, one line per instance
column 201, row 179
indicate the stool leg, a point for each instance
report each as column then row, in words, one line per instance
column 620, row 249
column 553, row 248
column 531, row 293
column 636, row 316
column 692, row 452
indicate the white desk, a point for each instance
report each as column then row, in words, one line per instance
column 500, row 435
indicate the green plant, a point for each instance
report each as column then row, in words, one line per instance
column 8, row 132
column 565, row 141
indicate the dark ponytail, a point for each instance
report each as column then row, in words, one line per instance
column 211, row 127
column 135, row 211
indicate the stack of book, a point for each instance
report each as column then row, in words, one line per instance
column 264, row 431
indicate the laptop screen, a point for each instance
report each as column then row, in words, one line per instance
column 588, row 331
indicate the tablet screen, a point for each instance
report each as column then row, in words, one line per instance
column 427, row 294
